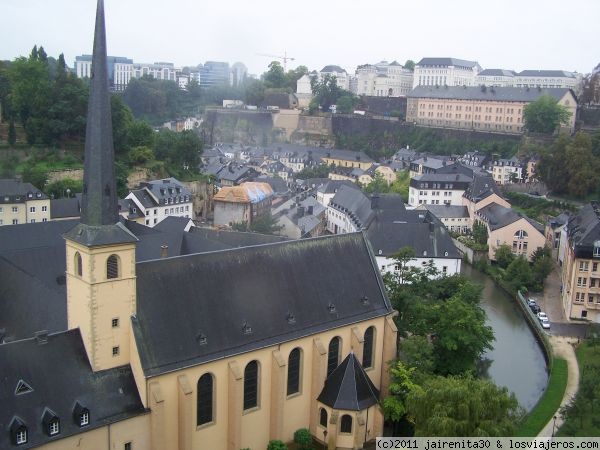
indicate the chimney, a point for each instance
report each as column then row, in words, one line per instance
column 300, row 211
column 164, row 251
column 374, row 201
column 309, row 210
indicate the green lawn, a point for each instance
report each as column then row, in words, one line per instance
column 585, row 422
column 543, row 412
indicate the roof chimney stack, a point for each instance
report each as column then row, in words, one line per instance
column 164, row 251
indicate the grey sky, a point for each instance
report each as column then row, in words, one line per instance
column 511, row 34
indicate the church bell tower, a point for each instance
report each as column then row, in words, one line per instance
column 101, row 291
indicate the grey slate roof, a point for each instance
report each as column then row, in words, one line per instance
column 546, row 73
column 446, row 62
column 354, row 203
column 303, row 287
column 333, row 68
column 417, row 229
column 98, row 235
column 332, row 186
column 18, row 192
column 63, row 208
column 144, row 198
column 583, row 229
column 499, row 216
column 450, row 211
column 349, row 387
column 110, row 395
column 504, row 94
column 167, row 188
column 483, row 186
column 497, row 73
column 443, row 177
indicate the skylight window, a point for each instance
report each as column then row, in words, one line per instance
column 23, row 388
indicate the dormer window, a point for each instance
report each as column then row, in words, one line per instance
column 81, row 415
column 18, row 431
column 597, row 249
column 51, row 422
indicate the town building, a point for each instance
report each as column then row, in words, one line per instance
column 507, row 227
column 156, row 200
column 242, row 204
column 22, row 203
column 496, row 78
column 120, row 70
column 505, row 171
column 239, row 73
column 549, row 79
column 214, row 73
column 157, row 346
column 438, row 189
column 429, row 164
column 497, row 109
column 454, row 218
column 482, row 192
column 445, row 72
column 301, row 217
column 581, row 266
column 383, row 80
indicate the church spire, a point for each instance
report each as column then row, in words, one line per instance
column 99, row 201
column 99, row 207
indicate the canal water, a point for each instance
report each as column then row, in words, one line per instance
column 516, row 361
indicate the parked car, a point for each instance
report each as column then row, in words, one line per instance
column 542, row 315
column 531, row 301
column 535, row 308
column 544, row 322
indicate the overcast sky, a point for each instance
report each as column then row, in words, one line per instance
column 508, row 34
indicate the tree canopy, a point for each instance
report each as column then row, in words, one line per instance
column 545, row 115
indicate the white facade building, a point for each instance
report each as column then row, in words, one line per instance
column 120, row 70
column 445, row 72
column 505, row 171
column 445, row 266
column 383, row 80
column 159, row 70
column 496, row 77
column 159, row 199
column 438, row 189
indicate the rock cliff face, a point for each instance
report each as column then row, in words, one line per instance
column 244, row 127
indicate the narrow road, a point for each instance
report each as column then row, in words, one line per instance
column 563, row 348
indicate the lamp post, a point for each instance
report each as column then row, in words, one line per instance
column 325, row 439
column 553, row 425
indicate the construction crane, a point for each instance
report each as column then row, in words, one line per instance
column 285, row 58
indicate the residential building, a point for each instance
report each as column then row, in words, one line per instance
column 326, row 191
column 302, row 217
column 187, row 344
column 303, row 86
column 156, row 200
column 340, row 74
column 454, row 218
column 348, row 211
column 120, row 70
column 22, row 203
column 242, row 204
column 506, row 171
column 496, row 77
column 65, row 208
column 383, row 80
column 581, row 266
column 346, row 158
column 429, row 164
column 554, row 234
column 445, row 72
column 549, row 79
column 482, row 192
column 473, row 159
column 507, row 227
column 394, row 228
column 438, row 189
column 497, row 109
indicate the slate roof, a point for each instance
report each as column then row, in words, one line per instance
column 110, row 395
column 417, row 229
column 277, row 184
column 144, row 198
column 450, row 211
column 446, row 62
column 442, row 178
column 332, row 186
column 354, row 203
column 546, row 73
column 128, row 206
column 166, row 188
column 18, row 192
column 583, row 230
column 483, row 186
column 503, row 94
column 333, row 68
column 303, row 287
column 497, row 73
column 498, row 216
column 349, row 387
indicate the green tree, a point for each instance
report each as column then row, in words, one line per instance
column 140, row 155
column 582, row 167
column 294, row 75
column 417, row 352
column 188, row 149
column 378, row 185
column 346, row 104
column 461, row 336
column 265, row 224
column 545, row 115
column 139, row 134
column 58, row 189
column 401, row 184
column 480, row 233
column 409, row 64
column 402, row 385
column 12, row 133
column 275, row 76
column 320, row 171
column 504, row 256
column 326, row 92
column 122, row 118
column 463, row 406
column 518, row 274
column 552, row 167
column 254, row 92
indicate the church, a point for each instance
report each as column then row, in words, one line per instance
column 111, row 339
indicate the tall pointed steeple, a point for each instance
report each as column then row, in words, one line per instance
column 99, row 206
column 99, row 200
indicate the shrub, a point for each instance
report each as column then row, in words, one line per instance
column 276, row 445
column 303, row 438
